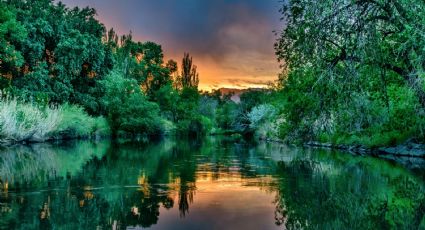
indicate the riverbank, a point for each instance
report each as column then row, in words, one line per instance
column 409, row 155
column 24, row 122
column 407, row 149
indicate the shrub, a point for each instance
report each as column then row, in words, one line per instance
column 227, row 116
column 196, row 126
column 208, row 107
column 129, row 111
column 21, row 122
column 260, row 114
column 74, row 123
column 26, row 122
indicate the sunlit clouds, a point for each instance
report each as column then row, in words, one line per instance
column 231, row 41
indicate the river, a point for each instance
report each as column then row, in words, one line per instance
column 211, row 183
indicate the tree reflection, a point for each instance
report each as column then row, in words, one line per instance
column 144, row 213
column 324, row 192
column 186, row 193
column 86, row 185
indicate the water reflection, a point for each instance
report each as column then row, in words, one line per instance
column 203, row 184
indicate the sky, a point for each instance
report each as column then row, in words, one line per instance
column 231, row 41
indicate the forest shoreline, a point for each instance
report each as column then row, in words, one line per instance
column 407, row 149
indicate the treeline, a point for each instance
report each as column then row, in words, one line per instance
column 60, row 66
column 63, row 75
column 353, row 73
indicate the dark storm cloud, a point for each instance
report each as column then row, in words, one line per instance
column 235, row 36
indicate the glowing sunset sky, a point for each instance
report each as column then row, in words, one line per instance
column 231, row 41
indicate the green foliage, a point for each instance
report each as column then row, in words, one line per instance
column 263, row 120
column 144, row 63
column 189, row 76
column 128, row 109
column 12, row 35
column 76, row 123
column 195, row 126
column 63, row 53
column 167, row 98
column 208, row 107
column 54, row 56
column 352, row 75
column 26, row 122
column 252, row 98
column 188, row 120
column 34, row 123
column 260, row 114
column 227, row 115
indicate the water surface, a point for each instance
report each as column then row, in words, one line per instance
column 212, row 183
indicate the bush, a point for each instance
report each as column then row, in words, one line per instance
column 129, row 111
column 208, row 107
column 262, row 119
column 26, row 122
column 227, row 116
column 196, row 126
column 169, row 127
column 76, row 123
column 261, row 114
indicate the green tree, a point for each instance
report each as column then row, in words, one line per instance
column 144, row 63
column 127, row 107
column 189, row 75
column 340, row 58
column 173, row 69
column 12, row 35
column 63, row 55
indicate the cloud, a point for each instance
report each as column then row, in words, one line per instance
column 227, row 38
column 245, row 83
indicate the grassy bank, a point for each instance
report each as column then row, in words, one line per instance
column 29, row 122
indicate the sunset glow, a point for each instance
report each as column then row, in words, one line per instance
column 231, row 41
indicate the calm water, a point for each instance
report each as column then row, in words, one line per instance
column 203, row 184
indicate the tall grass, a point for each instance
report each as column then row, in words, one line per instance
column 28, row 122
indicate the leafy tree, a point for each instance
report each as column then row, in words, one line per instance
column 188, row 119
column 252, row 98
column 63, row 54
column 173, row 69
column 168, row 98
column 144, row 63
column 12, row 35
column 337, row 53
column 155, row 74
column 227, row 116
column 127, row 108
column 208, row 107
column 189, row 75
column 260, row 114
column 188, row 103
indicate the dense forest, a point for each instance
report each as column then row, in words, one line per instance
column 352, row 73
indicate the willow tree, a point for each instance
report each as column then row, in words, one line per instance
column 386, row 34
column 354, row 49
